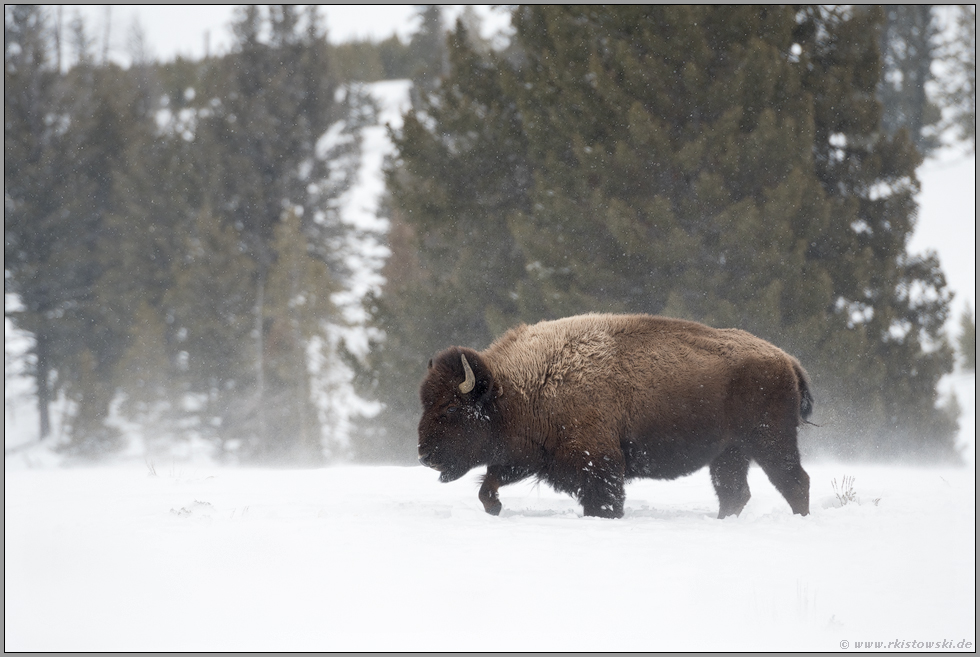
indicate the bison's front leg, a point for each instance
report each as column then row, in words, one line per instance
column 488, row 494
column 603, row 491
column 604, row 499
column 497, row 476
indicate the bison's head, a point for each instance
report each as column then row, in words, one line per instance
column 458, row 415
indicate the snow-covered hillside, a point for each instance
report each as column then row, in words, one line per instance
column 359, row 209
column 387, row 558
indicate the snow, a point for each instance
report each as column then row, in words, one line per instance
column 387, row 558
column 359, row 206
column 359, row 209
column 947, row 224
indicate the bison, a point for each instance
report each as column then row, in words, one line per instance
column 587, row 403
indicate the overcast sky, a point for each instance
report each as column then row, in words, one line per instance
column 173, row 30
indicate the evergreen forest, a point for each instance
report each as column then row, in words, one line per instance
column 173, row 247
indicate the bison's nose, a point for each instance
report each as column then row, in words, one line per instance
column 425, row 459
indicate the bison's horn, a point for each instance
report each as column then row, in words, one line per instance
column 467, row 385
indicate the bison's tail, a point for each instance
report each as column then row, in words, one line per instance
column 806, row 398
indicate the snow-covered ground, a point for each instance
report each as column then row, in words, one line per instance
column 387, row 558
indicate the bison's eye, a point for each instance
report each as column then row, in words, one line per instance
column 452, row 409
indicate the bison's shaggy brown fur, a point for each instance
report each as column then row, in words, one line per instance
column 589, row 402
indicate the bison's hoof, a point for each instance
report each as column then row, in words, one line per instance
column 603, row 510
column 493, row 508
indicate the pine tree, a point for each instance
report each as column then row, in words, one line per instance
column 455, row 271
column 115, row 121
column 145, row 375
column 30, row 213
column 907, row 42
column 428, row 50
column 958, row 85
column 298, row 300
column 259, row 121
column 664, row 147
column 887, row 350
column 142, row 236
column 968, row 340
column 66, row 139
column 724, row 164
column 211, row 305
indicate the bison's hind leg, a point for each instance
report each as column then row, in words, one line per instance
column 729, row 475
column 793, row 482
column 781, row 463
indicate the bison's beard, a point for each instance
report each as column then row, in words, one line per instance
column 452, row 473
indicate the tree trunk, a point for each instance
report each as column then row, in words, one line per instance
column 41, row 375
column 260, row 358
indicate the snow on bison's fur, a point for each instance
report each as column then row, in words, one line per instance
column 586, row 403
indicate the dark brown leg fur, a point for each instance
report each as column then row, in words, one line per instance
column 780, row 460
column 497, row 476
column 729, row 475
column 790, row 479
column 603, row 492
